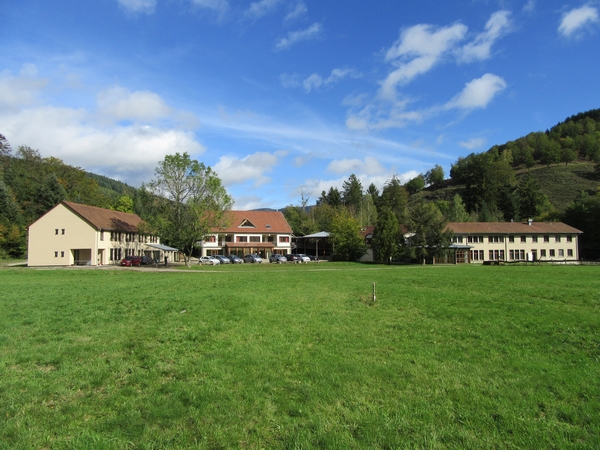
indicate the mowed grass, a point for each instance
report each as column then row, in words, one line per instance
column 301, row 357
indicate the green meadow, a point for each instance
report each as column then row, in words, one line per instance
column 301, row 357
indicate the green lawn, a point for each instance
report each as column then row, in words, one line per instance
column 299, row 356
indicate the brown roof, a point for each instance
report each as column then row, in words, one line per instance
column 106, row 219
column 257, row 221
column 510, row 228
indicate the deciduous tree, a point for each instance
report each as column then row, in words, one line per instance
column 188, row 201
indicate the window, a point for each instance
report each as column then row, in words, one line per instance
column 570, row 252
column 475, row 239
column 561, row 253
column 511, row 255
column 557, row 238
column 284, row 239
column 523, row 238
column 62, row 231
column 241, row 239
column 534, row 238
column 457, row 239
column 534, row 254
column 546, row 238
column 101, row 235
column 491, row 255
column 569, row 238
column 56, row 231
column 56, row 253
column 495, row 239
column 210, row 239
column 62, row 254
column 522, row 255
column 543, row 253
column 511, row 239
column 254, row 238
column 552, row 253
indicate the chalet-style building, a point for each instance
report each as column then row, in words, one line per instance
column 478, row 242
column 247, row 232
column 74, row 234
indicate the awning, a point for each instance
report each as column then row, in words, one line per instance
column 164, row 248
column 460, row 246
column 320, row 234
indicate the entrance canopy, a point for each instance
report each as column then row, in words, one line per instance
column 320, row 234
column 164, row 248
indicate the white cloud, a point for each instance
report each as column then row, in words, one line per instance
column 576, row 19
column 19, row 91
column 315, row 80
column 417, row 50
column 473, row 143
column 93, row 139
column 480, row 49
column 529, row 6
column 477, row 93
column 369, row 166
column 138, row 6
column 129, row 153
column 120, row 104
column 298, row 11
column 261, row 8
column 294, row 37
column 233, row 170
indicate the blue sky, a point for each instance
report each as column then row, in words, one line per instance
column 283, row 96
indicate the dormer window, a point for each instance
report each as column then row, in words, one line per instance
column 247, row 224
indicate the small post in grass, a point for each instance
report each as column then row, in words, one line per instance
column 374, row 294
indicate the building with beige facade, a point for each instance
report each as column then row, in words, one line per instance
column 248, row 232
column 74, row 234
column 478, row 242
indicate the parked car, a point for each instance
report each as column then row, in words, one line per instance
column 277, row 259
column 222, row 259
column 235, row 259
column 208, row 260
column 292, row 258
column 146, row 260
column 303, row 257
column 253, row 258
column 313, row 258
column 130, row 261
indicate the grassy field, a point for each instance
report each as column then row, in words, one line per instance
column 301, row 357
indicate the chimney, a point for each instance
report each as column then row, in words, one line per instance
column 529, row 222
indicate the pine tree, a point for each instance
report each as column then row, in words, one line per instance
column 386, row 236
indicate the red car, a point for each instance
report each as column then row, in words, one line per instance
column 130, row 261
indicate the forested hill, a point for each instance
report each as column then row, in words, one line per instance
column 31, row 185
column 560, row 163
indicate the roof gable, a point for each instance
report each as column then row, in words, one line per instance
column 255, row 222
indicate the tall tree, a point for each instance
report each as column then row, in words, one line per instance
column 352, row 193
column 435, row 175
column 427, row 225
column 345, row 235
column 188, row 202
column 374, row 193
column 51, row 193
column 532, row 201
column 454, row 210
column 386, row 236
column 415, row 185
column 395, row 197
column 5, row 148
